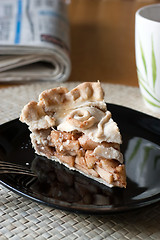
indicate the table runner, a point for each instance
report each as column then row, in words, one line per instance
column 21, row 218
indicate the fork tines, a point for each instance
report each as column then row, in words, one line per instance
column 6, row 167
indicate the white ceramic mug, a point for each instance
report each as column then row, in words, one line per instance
column 147, row 47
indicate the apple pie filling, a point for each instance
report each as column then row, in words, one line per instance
column 78, row 151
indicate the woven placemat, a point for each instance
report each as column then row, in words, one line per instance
column 21, row 218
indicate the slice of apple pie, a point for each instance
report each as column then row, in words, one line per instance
column 76, row 129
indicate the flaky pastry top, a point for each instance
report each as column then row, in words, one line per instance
column 52, row 99
column 82, row 109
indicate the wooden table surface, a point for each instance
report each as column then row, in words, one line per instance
column 102, row 40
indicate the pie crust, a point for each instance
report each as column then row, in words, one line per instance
column 76, row 129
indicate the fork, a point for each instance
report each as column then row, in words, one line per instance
column 6, row 167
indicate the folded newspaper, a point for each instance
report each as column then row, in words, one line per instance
column 34, row 40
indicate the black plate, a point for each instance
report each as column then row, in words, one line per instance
column 61, row 188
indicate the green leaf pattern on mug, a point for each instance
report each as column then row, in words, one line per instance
column 141, row 82
column 150, row 102
column 143, row 79
column 143, row 58
column 154, row 68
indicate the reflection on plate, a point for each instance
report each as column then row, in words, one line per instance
column 61, row 188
